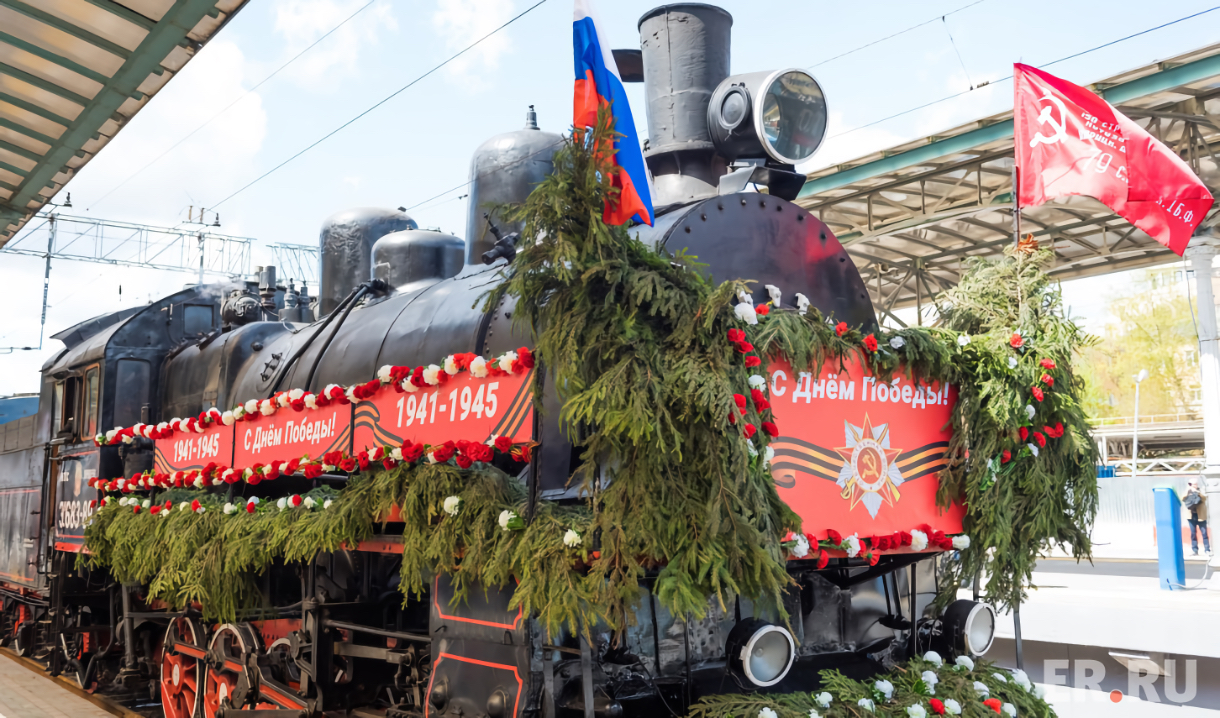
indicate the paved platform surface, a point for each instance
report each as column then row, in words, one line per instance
column 27, row 694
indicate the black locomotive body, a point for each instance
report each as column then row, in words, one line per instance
column 340, row 638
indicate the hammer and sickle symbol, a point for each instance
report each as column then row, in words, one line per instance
column 870, row 463
column 1045, row 117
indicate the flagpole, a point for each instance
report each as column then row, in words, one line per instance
column 1016, row 205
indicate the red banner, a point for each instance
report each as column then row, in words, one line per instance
column 291, row 434
column 464, row 408
column 860, row 454
column 185, row 450
column 1068, row 141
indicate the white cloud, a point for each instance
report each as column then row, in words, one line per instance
column 462, row 22
column 302, row 22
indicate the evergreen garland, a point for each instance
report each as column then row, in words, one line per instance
column 1022, row 494
column 910, row 695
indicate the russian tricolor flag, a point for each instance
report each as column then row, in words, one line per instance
column 597, row 84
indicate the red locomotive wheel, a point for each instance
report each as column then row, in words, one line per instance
column 234, row 642
column 180, row 674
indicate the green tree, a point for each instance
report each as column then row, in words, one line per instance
column 1152, row 330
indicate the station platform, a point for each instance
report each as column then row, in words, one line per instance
column 26, row 692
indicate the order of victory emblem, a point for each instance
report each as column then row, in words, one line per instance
column 869, row 474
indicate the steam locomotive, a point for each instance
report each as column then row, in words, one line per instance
column 392, row 294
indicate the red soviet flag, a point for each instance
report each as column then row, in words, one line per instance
column 1072, row 142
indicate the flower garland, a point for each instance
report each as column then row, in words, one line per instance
column 464, row 453
column 801, row 546
column 403, row 379
column 924, row 686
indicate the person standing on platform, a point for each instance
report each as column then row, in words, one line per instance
column 1196, row 503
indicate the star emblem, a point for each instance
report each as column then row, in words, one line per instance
column 869, row 474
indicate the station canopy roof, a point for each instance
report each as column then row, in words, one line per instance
column 72, row 73
column 911, row 214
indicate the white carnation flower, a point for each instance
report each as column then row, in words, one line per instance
column 952, row 707
column 452, row 505
column 1040, row 690
column 1012, row 362
column 774, row 293
column 767, row 713
column 1000, row 677
column 745, row 312
column 934, row 658
column 897, row 342
column 506, row 516
column 146, row 503
column 431, row 374
column 184, row 506
column 282, row 400
column 282, row 504
column 867, row 704
column 296, row 394
column 326, row 504
column 1030, row 410
column 919, row 540
column 813, row 713
column 853, row 545
column 750, row 447
column 963, row 340
column 1009, row 710
column 1033, row 449
column 768, row 456
column 254, row 500
column 251, row 406
column 964, row 662
column 930, row 680
column 885, row 688
column 802, row 303
column 823, row 699
column 744, row 296
column 757, row 382
column 478, row 367
column 383, row 374
column 917, row 711
column 228, row 419
column 267, row 407
column 981, row 689
column 571, row 539
column 801, row 549
column 311, row 401
column 507, row 359
column 961, row 542
column 309, row 502
column 451, row 366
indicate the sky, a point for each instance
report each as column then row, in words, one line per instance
column 414, row 150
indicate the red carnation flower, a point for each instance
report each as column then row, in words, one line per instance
column 841, row 328
column 295, row 500
column 1038, row 437
column 444, row 452
column 745, row 347
column 93, row 504
column 412, row 452
column 1037, row 393
column 760, row 400
column 1016, row 340
column 752, row 361
column 250, row 507
column 504, row 444
column 169, row 505
column 1023, row 433
column 740, row 401
column 993, row 704
column 1048, row 380
column 195, row 505
column 736, row 335
column 1058, row 428
column 749, row 430
column 522, row 453
column 154, row 510
column 732, row 417
column 464, row 461
column 348, row 465
column 937, row 706
column 363, row 459
column 312, row 471
column 771, row 429
column 526, row 357
column 1006, row 456
column 905, row 537
column 298, row 405
column 135, row 509
column 388, row 464
column 834, row 537
column 870, row 343
column 332, row 457
column 823, row 559
column 1047, row 364
column 873, row 558
column 762, row 309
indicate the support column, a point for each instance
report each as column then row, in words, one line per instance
column 1200, row 253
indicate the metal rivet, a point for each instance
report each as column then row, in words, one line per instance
column 779, row 208
column 719, row 206
column 822, row 236
column 743, row 203
column 800, row 218
column 842, row 259
column 688, row 230
column 703, row 217
column 762, row 203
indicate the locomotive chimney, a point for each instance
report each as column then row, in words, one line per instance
column 346, row 241
column 686, row 55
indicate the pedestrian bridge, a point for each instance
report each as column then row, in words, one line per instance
column 1175, row 433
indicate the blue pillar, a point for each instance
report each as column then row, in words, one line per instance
column 1172, row 562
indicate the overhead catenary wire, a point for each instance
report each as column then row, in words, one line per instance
column 1009, row 77
column 891, row 37
column 229, row 106
column 381, row 102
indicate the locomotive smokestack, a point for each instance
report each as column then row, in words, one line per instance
column 686, row 55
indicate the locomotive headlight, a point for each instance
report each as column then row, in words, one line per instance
column 969, row 627
column 760, row 651
column 778, row 116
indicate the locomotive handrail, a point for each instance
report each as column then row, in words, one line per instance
column 343, row 625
